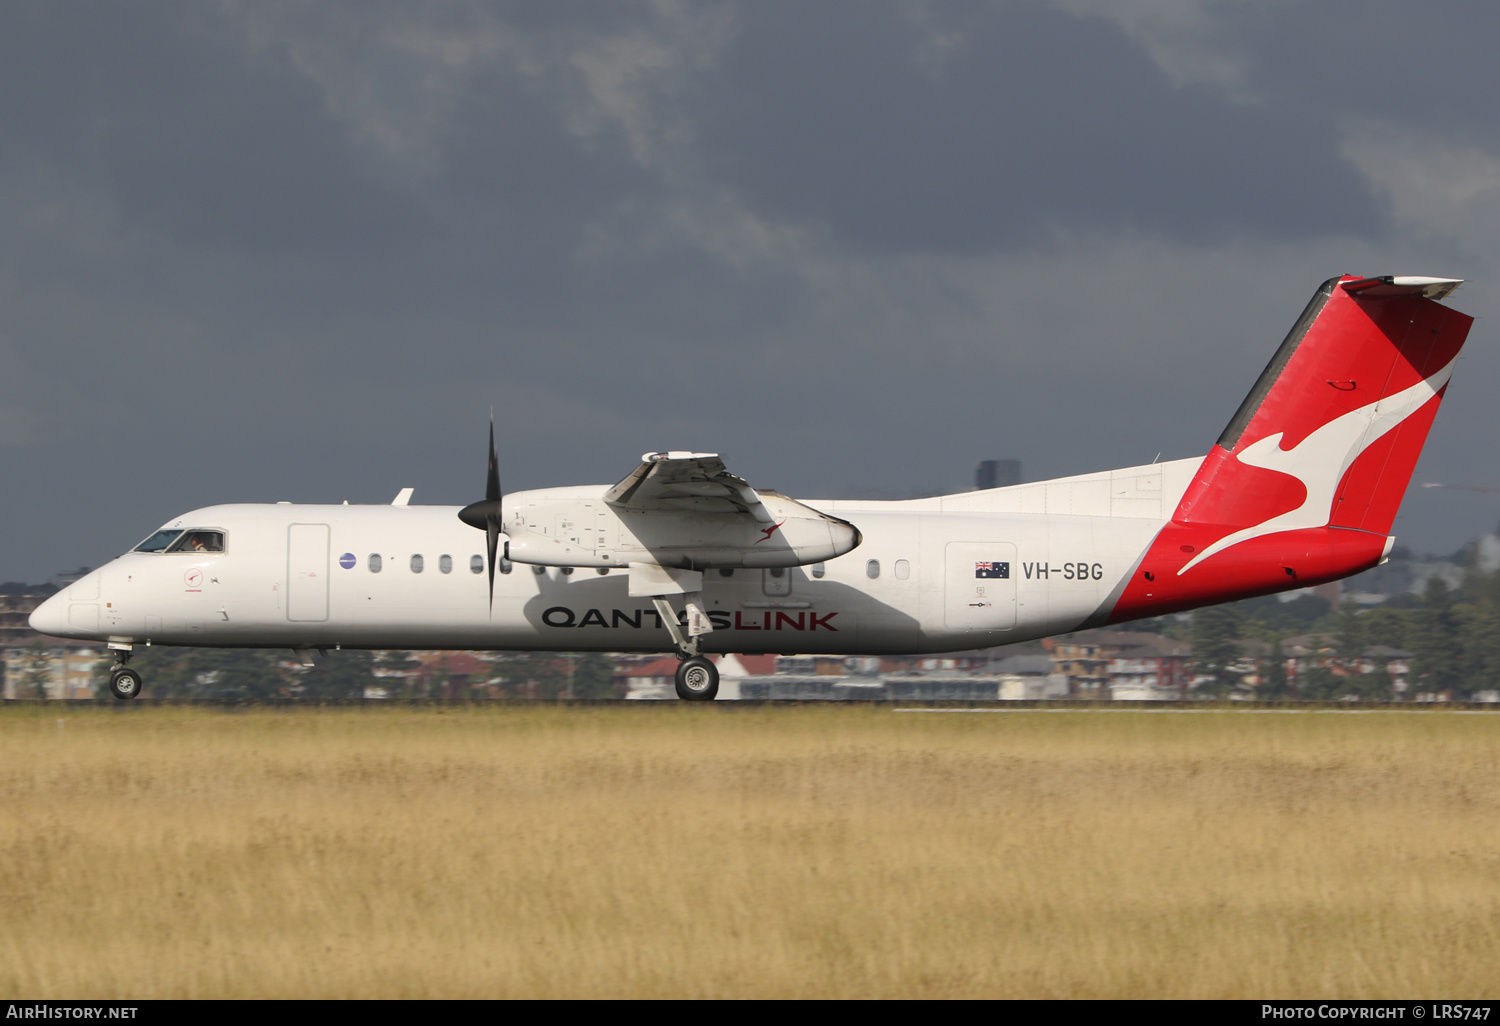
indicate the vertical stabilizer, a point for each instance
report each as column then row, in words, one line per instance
column 1304, row 483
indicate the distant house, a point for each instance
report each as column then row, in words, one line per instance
column 1106, row 664
column 979, row 660
column 735, row 668
column 1308, row 651
column 1151, row 669
column 804, row 665
column 647, row 679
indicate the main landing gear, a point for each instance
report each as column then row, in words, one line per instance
column 697, row 680
column 124, row 682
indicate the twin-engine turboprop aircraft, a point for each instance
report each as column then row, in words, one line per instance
column 1300, row 489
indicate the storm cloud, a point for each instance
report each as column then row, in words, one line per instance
column 261, row 251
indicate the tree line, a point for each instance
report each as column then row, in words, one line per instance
column 1452, row 636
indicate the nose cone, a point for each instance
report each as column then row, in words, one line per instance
column 51, row 617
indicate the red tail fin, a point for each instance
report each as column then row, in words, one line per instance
column 1304, row 483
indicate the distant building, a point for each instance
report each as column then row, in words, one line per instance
column 1083, row 658
column 454, row 674
column 841, row 689
column 807, row 665
column 65, row 669
column 16, row 603
column 1035, row 687
column 1156, row 668
column 980, row 675
column 1309, row 651
column 987, row 661
column 1121, row 665
column 646, row 678
column 983, row 675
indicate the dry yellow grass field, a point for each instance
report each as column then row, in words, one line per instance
column 669, row 850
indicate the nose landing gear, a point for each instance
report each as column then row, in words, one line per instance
column 124, row 682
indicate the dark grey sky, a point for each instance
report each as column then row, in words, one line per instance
column 261, row 251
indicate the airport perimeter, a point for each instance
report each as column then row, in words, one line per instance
column 747, row 850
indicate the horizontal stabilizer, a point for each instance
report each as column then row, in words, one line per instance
column 1403, row 285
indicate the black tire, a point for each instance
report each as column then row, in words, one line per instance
column 124, row 683
column 697, row 680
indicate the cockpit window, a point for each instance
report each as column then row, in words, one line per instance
column 157, row 542
column 199, row 541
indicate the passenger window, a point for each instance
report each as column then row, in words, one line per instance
column 818, row 570
column 375, row 562
column 445, row 564
column 416, row 563
column 506, row 566
column 158, row 541
column 903, row 569
column 872, row 568
column 199, row 541
column 476, row 564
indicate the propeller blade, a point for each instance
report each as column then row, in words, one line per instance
column 492, row 485
column 492, row 540
column 486, row 515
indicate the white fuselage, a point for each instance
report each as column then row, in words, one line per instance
column 413, row 577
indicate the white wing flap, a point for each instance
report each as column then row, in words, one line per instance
column 686, row 482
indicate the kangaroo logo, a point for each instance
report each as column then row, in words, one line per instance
column 1320, row 460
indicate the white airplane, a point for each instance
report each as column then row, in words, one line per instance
column 1300, row 489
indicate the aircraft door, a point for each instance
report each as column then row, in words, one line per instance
column 307, row 572
column 979, row 592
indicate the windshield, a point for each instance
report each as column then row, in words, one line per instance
column 199, row 541
column 158, row 541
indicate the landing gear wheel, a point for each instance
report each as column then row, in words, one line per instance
column 697, row 680
column 124, row 683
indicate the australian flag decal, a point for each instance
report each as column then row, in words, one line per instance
column 992, row 570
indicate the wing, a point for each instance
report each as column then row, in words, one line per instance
column 686, row 482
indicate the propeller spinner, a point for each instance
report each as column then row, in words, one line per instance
column 485, row 515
